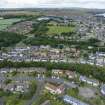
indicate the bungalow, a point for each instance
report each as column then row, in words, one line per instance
column 103, row 89
column 55, row 88
column 73, row 101
column 89, row 81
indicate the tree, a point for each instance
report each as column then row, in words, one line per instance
column 7, row 81
column 73, row 92
column 14, row 73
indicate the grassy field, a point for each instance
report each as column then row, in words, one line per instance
column 4, row 23
column 59, row 29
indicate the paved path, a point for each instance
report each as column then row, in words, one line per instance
column 40, row 87
column 1, row 101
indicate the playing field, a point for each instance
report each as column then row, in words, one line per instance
column 59, row 29
column 4, row 23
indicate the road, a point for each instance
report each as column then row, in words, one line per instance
column 1, row 101
column 40, row 87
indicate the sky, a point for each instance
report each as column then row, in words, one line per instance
column 100, row 4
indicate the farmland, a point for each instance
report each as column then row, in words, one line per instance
column 59, row 29
column 4, row 23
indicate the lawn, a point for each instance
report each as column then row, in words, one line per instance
column 4, row 23
column 59, row 29
column 13, row 100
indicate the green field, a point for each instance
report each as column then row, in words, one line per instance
column 59, row 29
column 4, row 23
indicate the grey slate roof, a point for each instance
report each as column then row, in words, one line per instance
column 73, row 101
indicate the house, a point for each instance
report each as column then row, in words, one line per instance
column 89, row 81
column 73, row 101
column 103, row 89
column 70, row 74
column 17, row 87
column 4, row 70
column 55, row 88
column 57, row 72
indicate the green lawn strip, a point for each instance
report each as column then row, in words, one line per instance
column 59, row 29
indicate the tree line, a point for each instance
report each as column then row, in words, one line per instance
column 9, row 39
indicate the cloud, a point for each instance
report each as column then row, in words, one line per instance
column 52, row 3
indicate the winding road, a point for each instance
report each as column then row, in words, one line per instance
column 40, row 87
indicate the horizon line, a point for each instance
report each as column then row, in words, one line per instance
column 12, row 8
